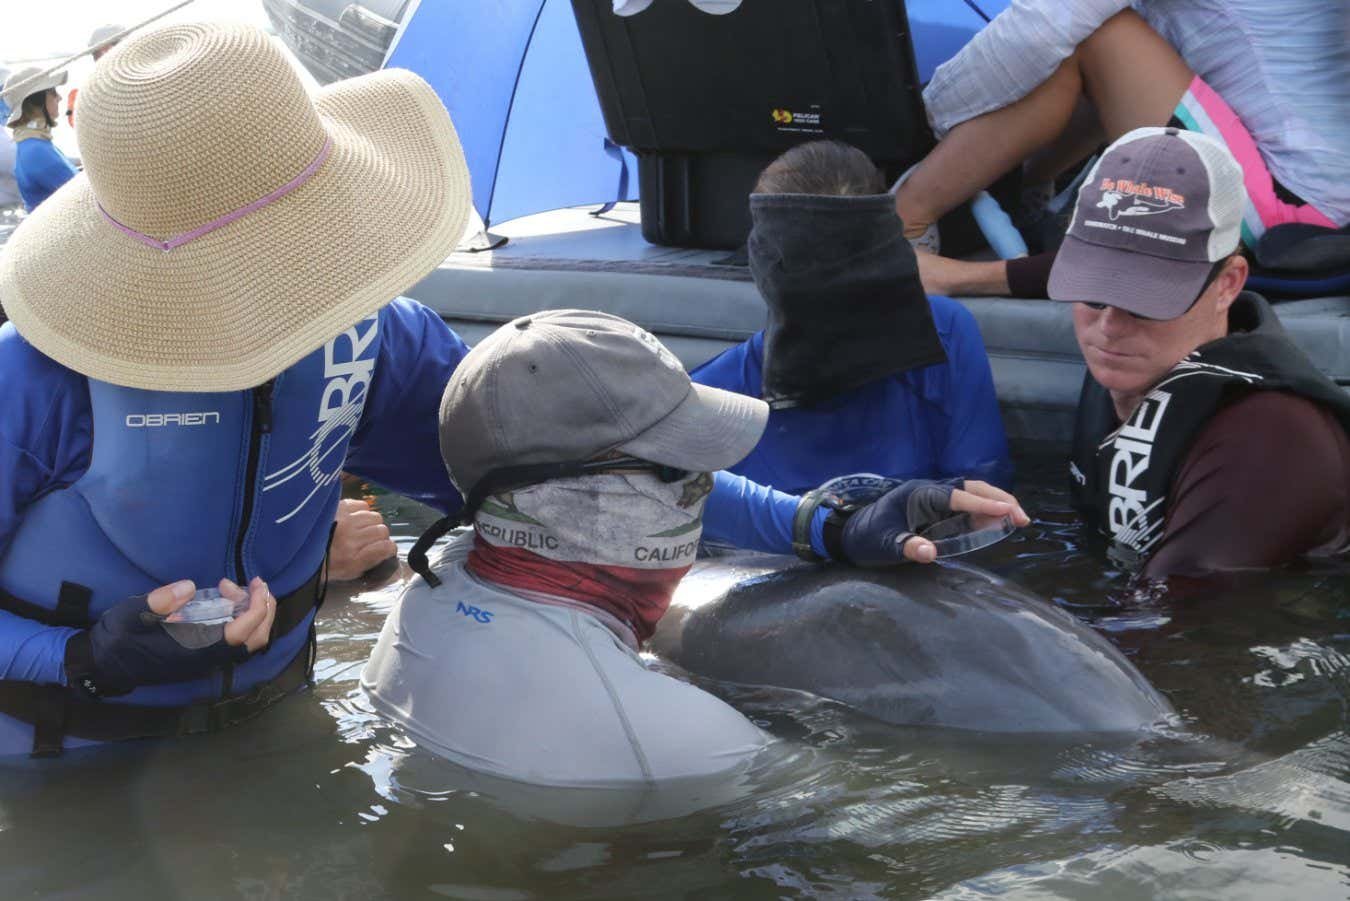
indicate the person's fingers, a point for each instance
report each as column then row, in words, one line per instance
column 359, row 519
column 965, row 502
column 984, row 489
column 258, row 639
column 369, row 534
column 168, row 598
column 919, row 550
column 238, row 631
column 362, row 541
column 349, row 562
column 376, row 552
column 232, row 591
column 356, row 510
column 992, row 492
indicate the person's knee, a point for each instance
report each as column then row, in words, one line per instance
column 1131, row 73
column 1125, row 25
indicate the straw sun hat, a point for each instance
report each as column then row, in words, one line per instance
column 227, row 223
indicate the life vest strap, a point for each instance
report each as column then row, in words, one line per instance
column 72, row 605
column 55, row 712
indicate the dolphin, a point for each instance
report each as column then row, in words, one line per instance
column 945, row 644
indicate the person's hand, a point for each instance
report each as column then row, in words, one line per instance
column 360, row 543
column 129, row 645
column 252, row 629
column 883, row 532
column 975, row 494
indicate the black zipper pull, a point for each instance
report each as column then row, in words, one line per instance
column 262, row 406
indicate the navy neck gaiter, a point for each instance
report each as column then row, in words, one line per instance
column 842, row 286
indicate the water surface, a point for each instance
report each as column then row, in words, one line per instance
column 1247, row 796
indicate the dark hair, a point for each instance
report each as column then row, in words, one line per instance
column 38, row 103
column 821, row 167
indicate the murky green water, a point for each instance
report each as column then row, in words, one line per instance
column 1249, row 798
column 319, row 799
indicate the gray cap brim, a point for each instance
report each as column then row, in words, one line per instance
column 711, row 429
column 1147, row 286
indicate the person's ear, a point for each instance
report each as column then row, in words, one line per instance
column 1230, row 281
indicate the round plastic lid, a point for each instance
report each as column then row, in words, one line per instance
column 959, row 534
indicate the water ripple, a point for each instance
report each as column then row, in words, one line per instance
column 1308, row 784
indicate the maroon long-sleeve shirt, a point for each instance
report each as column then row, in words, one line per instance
column 1266, row 481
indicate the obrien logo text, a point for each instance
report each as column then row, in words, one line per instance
column 160, row 420
column 348, row 366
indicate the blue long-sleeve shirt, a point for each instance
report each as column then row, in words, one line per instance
column 39, row 169
column 934, row 422
column 46, row 444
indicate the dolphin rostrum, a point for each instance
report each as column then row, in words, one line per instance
column 939, row 645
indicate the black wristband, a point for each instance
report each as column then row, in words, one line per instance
column 1028, row 277
column 801, row 523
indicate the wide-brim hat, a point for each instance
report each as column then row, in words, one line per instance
column 22, row 84
column 228, row 223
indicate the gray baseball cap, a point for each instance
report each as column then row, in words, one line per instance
column 569, row 385
column 103, row 34
column 1159, row 209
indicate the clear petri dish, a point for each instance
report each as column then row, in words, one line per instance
column 961, row 534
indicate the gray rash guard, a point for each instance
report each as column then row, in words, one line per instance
column 541, row 693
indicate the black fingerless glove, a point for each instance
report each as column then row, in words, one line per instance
column 129, row 647
column 875, row 534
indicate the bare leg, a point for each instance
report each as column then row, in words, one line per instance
column 1082, row 136
column 1130, row 74
column 979, row 150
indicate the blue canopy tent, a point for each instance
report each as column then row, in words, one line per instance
column 514, row 77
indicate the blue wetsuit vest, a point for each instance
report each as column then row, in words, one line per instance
column 198, row 486
column 120, row 491
column 936, row 421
